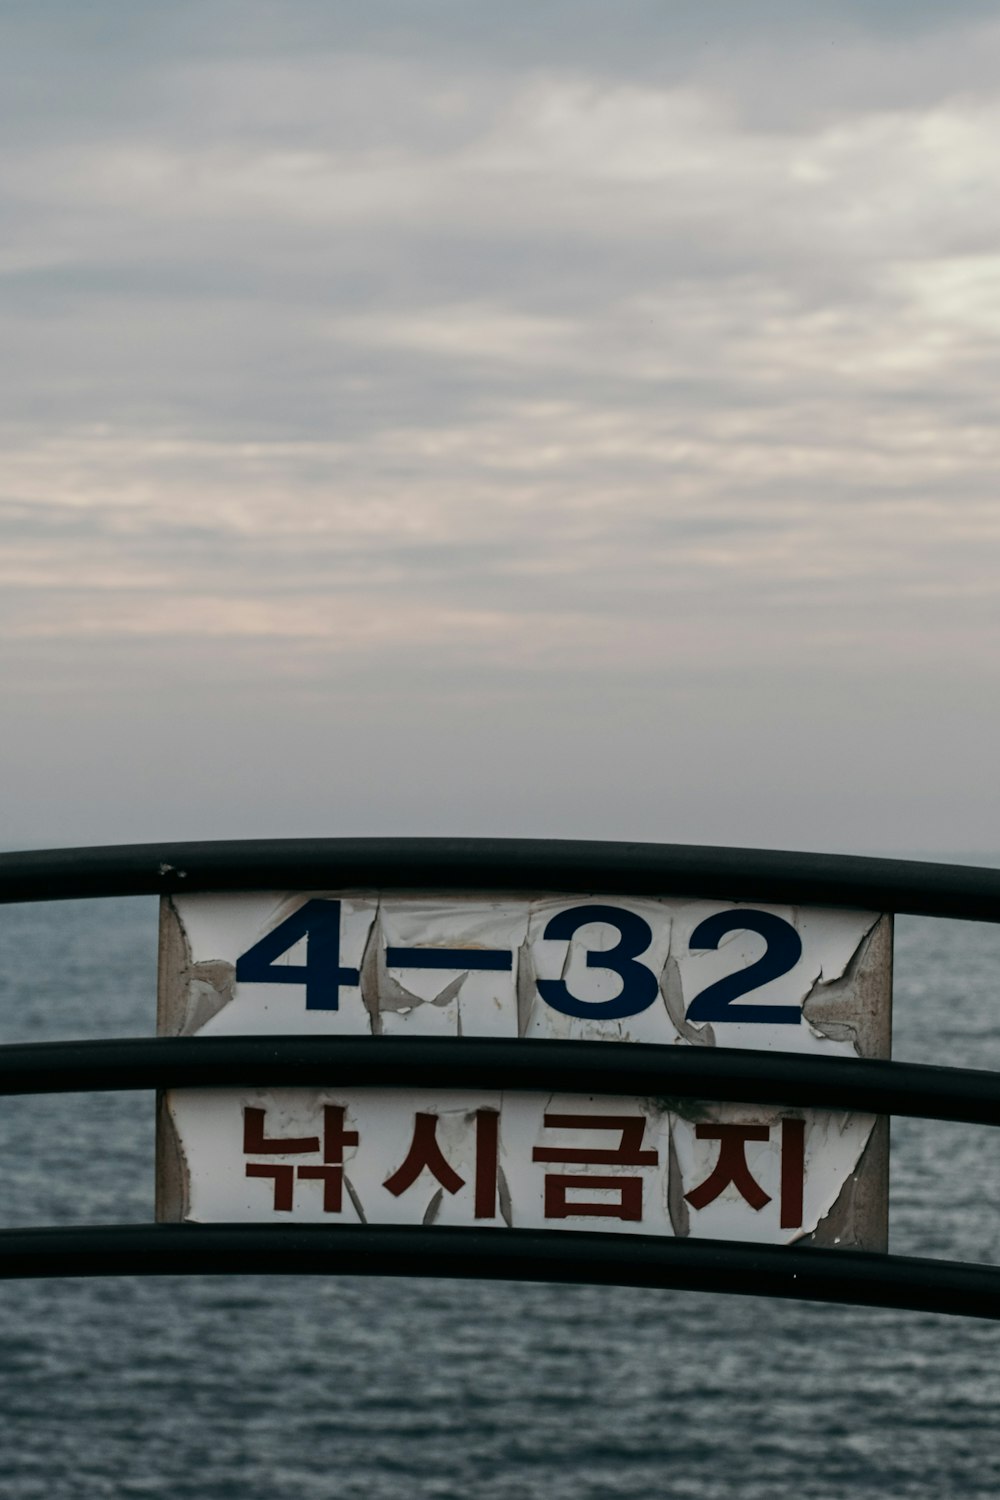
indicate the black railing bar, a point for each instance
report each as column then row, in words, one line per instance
column 524, row 865
column 626, row 1068
column 803, row 1274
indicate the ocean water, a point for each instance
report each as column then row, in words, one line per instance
column 253, row 1387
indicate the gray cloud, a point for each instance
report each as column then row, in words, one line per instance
column 628, row 387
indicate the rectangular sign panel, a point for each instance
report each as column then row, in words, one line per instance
column 669, row 972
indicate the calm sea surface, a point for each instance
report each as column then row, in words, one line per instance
column 390, row 1390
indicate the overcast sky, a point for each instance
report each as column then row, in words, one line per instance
column 564, row 418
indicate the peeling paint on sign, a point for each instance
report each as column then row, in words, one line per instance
column 672, row 972
column 396, row 1156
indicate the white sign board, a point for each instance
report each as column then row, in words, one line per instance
column 669, row 972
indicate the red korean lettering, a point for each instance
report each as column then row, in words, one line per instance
column 283, row 1174
column 425, row 1154
column 331, row 1173
column 731, row 1167
column 628, row 1152
column 793, row 1172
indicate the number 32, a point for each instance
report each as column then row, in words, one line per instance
column 639, row 984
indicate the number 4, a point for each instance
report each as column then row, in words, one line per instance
column 322, row 973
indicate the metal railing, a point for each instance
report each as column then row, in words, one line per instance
column 457, row 865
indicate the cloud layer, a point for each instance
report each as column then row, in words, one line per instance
column 348, row 361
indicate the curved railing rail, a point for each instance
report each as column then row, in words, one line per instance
column 969, row 1095
column 890, row 885
column 715, row 1074
column 853, row 1276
